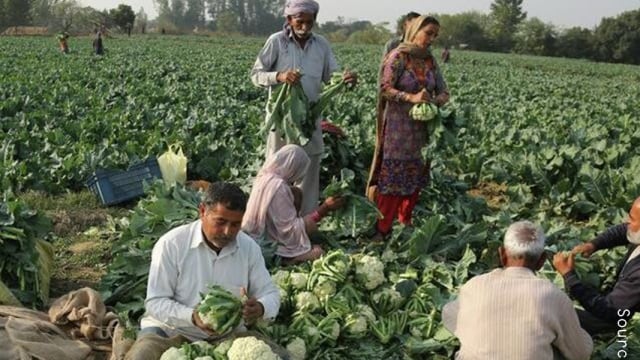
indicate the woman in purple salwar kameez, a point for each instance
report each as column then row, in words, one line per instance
column 409, row 76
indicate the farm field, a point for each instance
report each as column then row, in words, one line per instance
column 550, row 140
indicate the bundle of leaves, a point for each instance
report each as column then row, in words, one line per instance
column 26, row 258
column 357, row 215
column 124, row 285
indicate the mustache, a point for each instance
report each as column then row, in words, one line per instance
column 222, row 238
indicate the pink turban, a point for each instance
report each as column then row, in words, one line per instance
column 295, row 7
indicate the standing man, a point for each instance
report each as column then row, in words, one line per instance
column 294, row 55
column 98, row 47
column 209, row 251
column 603, row 311
column 393, row 43
column 510, row 313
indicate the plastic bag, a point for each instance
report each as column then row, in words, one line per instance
column 173, row 166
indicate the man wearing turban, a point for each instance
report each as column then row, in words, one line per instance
column 296, row 55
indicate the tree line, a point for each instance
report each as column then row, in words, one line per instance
column 505, row 28
column 67, row 16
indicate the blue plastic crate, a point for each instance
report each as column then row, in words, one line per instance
column 115, row 186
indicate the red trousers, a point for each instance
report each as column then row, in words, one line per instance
column 392, row 205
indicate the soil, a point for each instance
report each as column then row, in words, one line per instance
column 493, row 193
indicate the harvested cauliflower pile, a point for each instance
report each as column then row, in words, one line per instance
column 250, row 348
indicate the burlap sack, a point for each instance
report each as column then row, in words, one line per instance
column 29, row 337
column 152, row 346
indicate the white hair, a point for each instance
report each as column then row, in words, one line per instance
column 524, row 239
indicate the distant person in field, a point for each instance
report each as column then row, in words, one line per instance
column 603, row 311
column 98, row 47
column 210, row 251
column 406, row 21
column 272, row 214
column 445, row 55
column 409, row 75
column 63, row 41
column 510, row 313
column 295, row 48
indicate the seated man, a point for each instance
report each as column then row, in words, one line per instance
column 209, row 251
column 604, row 310
column 510, row 313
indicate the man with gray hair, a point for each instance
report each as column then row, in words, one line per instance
column 296, row 55
column 509, row 313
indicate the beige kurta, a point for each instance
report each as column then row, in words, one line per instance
column 511, row 314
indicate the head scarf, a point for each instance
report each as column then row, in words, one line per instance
column 407, row 45
column 295, row 7
column 286, row 166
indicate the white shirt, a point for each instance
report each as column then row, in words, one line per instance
column 183, row 267
column 316, row 62
column 634, row 254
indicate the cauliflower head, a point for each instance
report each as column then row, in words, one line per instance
column 297, row 348
column 370, row 272
column 298, row 280
column 307, row 301
column 250, row 348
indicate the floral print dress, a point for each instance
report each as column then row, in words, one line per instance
column 403, row 171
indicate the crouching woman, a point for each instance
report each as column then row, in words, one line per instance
column 271, row 212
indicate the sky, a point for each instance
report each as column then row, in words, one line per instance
column 563, row 13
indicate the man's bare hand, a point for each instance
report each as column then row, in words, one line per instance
column 252, row 309
column 290, row 76
column 564, row 262
column 585, row 249
column 197, row 321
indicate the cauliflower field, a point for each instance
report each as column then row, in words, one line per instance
column 550, row 140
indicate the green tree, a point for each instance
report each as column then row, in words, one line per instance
column 17, row 12
column 618, row 39
column 194, row 15
column 467, row 29
column 63, row 14
column 251, row 16
column 373, row 34
column 41, row 12
column 142, row 21
column 2, row 16
column 506, row 15
column 534, row 37
column 576, row 43
column 178, row 9
column 124, row 17
column 227, row 22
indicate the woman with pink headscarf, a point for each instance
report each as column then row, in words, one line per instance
column 271, row 214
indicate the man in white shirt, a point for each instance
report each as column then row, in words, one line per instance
column 297, row 55
column 210, row 251
column 510, row 313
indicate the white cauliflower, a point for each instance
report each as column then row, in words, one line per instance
column 335, row 330
column 298, row 280
column 281, row 278
column 203, row 358
column 250, row 348
column 307, row 301
column 173, row 354
column 356, row 325
column 395, row 296
column 297, row 349
column 370, row 272
column 389, row 256
column 366, row 311
column 324, row 288
column 224, row 347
